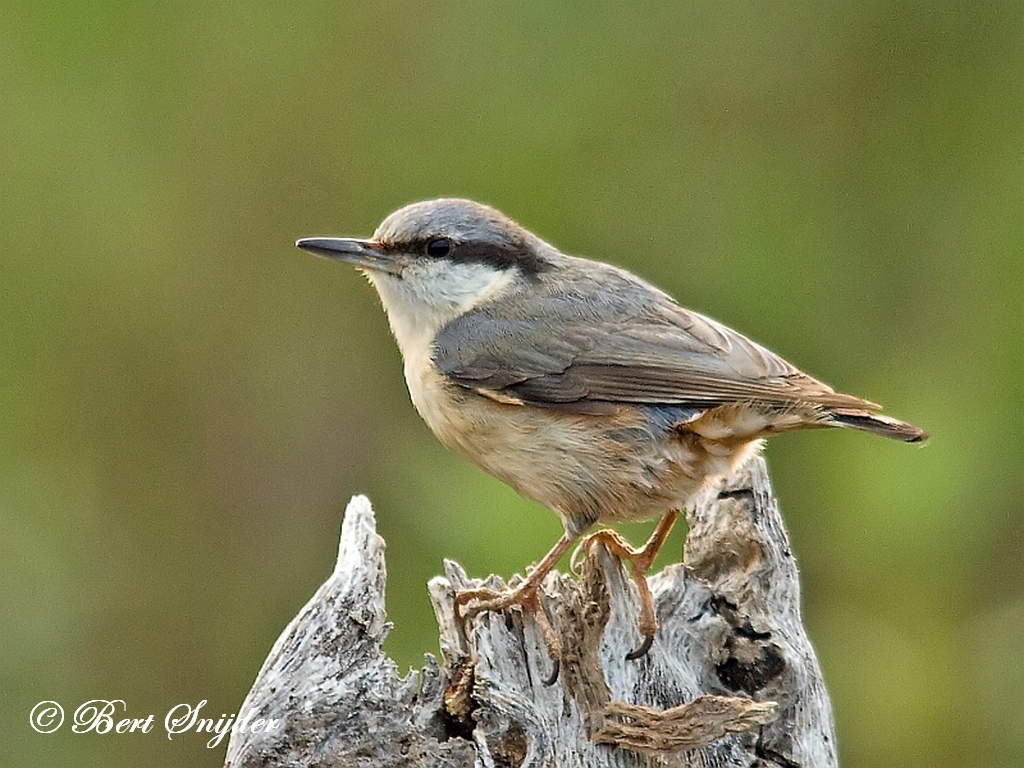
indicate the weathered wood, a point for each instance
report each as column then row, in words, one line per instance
column 730, row 681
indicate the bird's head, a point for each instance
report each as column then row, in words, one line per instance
column 435, row 260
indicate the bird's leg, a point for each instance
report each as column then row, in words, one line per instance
column 640, row 561
column 470, row 602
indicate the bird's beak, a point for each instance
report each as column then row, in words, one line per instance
column 366, row 254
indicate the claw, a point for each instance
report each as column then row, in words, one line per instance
column 575, row 561
column 640, row 652
column 550, row 680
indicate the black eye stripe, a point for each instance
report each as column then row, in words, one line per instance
column 501, row 257
column 498, row 256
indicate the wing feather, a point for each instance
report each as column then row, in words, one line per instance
column 615, row 339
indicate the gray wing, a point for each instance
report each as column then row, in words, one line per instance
column 625, row 343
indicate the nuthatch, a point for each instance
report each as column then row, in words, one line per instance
column 577, row 383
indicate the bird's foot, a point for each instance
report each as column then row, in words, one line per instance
column 472, row 602
column 640, row 561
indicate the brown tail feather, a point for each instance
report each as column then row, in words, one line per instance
column 879, row 425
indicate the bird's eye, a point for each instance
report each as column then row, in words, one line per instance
column 439, row 247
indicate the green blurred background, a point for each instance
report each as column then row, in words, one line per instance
column 187, row 401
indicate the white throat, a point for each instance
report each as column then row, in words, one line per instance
column 428, row 296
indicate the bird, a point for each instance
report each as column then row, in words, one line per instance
column 577, row 383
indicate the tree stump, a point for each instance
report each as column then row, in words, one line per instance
column 731, row 679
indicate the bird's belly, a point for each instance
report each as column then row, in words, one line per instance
column 587, row 468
